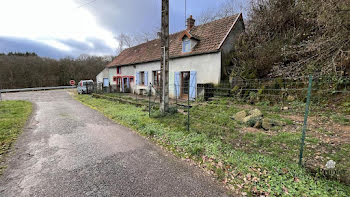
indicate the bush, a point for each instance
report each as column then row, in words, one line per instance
column 292, row 38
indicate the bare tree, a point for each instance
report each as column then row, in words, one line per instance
column 225, row 8
column 124, row 41
column 129, row 40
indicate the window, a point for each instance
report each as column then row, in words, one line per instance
column 186, row 45
column 156, row 77
column 118, row 70
column 142, row 76
column 114, row 78
column 131, row 79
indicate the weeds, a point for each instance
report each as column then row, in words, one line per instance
column 254, row 163
column 13, row 115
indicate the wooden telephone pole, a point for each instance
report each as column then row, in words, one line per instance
column 164, row 79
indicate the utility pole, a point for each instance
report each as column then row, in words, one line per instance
column 164, row 60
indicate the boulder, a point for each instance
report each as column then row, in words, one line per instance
column 248, row 119
column 254, row 116
column 258, row 124
column 278, row 123
column 266, row 124
column 255, row 113
column 239, row 116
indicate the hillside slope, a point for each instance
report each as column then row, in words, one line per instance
column 292, row 38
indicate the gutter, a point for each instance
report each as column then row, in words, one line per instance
column 171, row 58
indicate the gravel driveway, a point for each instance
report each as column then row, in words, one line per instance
column 69, row 149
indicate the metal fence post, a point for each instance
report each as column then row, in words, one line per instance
column 188, row 108
column 305, row 120
column 176, row 97
column 149, row 101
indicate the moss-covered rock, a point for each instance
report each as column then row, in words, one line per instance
column 268, row 123
column 254, row 116
column 255, row 113
column 239, row 116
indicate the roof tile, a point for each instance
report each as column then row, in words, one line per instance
column 210, row 35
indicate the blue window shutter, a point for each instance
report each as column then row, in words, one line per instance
column 146, row 78
column 105, row 82
column 177, row 84
column 128, row 82
column 137, row 78
column 193, row 86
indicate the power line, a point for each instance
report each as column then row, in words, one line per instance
column 86, row 3
column 185, row 14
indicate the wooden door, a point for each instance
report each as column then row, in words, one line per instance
column 185, row 82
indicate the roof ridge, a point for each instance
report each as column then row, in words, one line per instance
column 212, row 34
column 216, row 20
column 236, row 15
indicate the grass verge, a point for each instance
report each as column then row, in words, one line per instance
column 13, row 116
column 244, row 172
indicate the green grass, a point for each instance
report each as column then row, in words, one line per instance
column 340, row 119
column 247, row 162
column 13, row 116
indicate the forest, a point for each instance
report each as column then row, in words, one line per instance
column 25, row 70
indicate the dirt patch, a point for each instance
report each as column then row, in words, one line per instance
column 255, row 130
column 244, row 107
column 324, row 129
column 252, row 130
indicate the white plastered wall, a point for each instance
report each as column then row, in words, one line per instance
column 208, row 67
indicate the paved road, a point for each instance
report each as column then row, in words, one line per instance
column 69, row 149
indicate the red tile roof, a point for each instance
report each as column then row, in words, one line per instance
column 211, row 36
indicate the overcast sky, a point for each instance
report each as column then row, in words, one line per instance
column 60, row 28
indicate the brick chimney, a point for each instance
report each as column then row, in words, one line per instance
column 190, row 23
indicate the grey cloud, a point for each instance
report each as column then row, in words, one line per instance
column 117, row 16
column 11, row 44
column 135, row 16
column 129, row 16
column 98, row 46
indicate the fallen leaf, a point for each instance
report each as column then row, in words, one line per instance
column 285, row 170
column 249, row 176
column 296, row 179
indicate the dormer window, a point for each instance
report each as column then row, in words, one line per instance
column 186, row 45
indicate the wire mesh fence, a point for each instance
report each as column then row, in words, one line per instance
column 262, row 116
column 265, row 116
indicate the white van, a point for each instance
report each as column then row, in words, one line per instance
column 85, row 86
